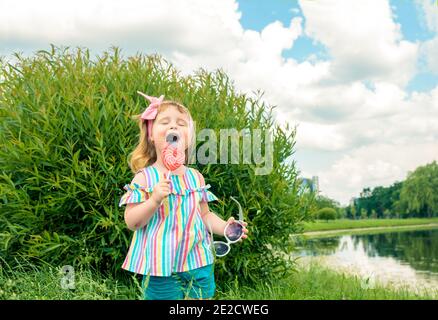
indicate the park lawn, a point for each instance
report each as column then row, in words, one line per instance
column 321, row 283
column 312, row 283
column 339, row 224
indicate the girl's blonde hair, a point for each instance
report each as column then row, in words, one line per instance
column 145, row 154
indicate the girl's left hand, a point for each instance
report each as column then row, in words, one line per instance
column 245, row 231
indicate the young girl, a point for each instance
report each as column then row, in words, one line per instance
column 171, row 244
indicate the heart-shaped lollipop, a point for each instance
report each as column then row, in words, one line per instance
column 173, row 156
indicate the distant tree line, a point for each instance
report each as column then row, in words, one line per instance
column 417, row 196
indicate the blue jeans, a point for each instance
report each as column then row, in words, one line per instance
column 197, row 283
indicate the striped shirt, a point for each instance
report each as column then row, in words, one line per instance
column 175, row 239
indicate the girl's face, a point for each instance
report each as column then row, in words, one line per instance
column 171, row 120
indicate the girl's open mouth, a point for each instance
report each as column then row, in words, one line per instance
column 172, row 137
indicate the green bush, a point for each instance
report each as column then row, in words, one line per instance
column 387, row 214
column 363, row 213
column 326, row 214
column 66, row 133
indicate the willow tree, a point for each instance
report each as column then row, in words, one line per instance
column 419, row 196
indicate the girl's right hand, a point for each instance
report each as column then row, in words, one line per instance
column 161, row 191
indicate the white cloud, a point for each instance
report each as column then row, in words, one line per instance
column 258, row 54
column 320, row 136
column 362, row 38
column 429, row 49
column 161, row 26
column 429, row 8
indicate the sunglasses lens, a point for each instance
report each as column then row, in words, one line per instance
column 234, row 231
column 220, row 248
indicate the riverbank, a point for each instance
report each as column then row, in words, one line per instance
column 403, row 256
column 346, row 224
column 316, row 282
column 369, row 230
column 390, row 276
column 313, row 282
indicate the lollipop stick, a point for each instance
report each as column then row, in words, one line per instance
column 167, row 177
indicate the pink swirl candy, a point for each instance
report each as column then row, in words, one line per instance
column 173, row 157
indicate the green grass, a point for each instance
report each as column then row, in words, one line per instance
column 357, row 231
column 29, row 283
column 316, row 282
column 320, row 283
column 339, row 224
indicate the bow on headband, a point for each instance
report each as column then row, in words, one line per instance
column 150, row 113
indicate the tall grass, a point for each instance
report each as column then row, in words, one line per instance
column 27, row 282
column 320, row 283
column 315, row 283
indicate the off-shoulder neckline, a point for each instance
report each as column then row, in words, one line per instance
column 171, row 174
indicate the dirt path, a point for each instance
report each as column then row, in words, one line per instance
column 315, row 233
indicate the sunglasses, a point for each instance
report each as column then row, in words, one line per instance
column 233, row 232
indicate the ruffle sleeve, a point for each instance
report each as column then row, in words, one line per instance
column 203, row 194
column 207, row 195
column 135, row 193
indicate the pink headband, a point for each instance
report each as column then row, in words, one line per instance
column 150, row 113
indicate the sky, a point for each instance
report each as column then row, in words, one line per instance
column 358, row 79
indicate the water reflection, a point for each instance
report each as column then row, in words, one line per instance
column 403, row 258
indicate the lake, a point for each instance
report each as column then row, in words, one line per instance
column 400, row 258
